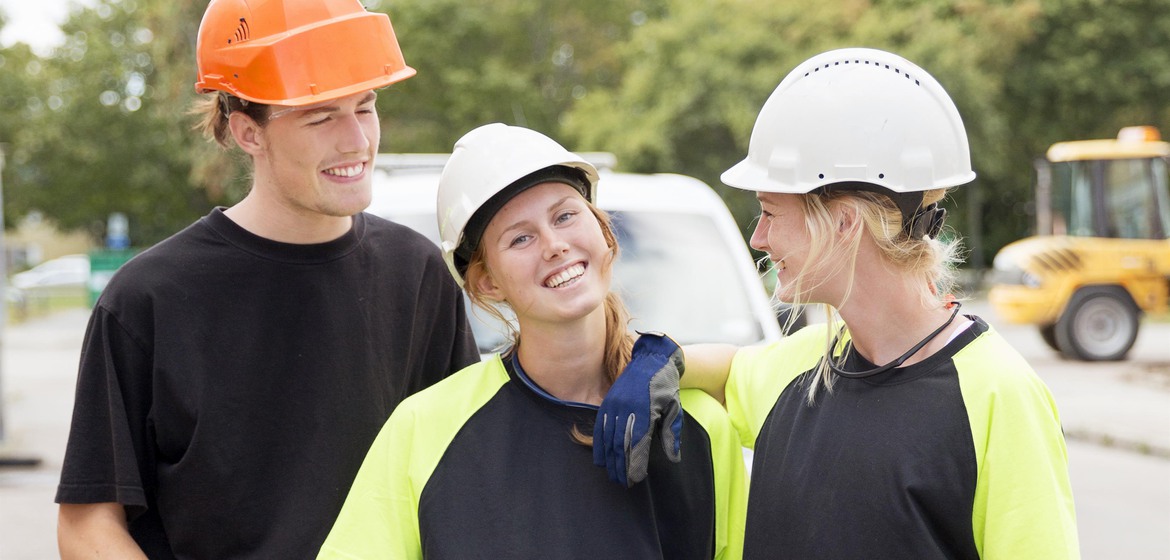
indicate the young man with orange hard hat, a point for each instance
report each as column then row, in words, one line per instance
column 234, row 375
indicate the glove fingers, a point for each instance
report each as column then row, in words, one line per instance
column 599, row 439
column 676, row 429
column 617, row 458
column 607, row 447
column 626, row 458
column 671, row 432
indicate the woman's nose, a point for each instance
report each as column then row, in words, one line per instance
column 759, row 240
column 554, row 245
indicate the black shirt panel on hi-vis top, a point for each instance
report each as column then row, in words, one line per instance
column 514, row 483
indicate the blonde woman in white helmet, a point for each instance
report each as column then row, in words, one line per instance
column 899, row 428
column 495, row 462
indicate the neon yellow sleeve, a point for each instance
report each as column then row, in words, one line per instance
column 380, row 515
column 1023, row 498
column 729, row 472
column 760, row 373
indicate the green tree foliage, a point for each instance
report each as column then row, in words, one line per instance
column 19, row 68
column 105, row 128
column 523, row 62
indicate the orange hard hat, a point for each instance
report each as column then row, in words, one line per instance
column 296, row 52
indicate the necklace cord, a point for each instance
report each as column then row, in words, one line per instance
column 897, row 362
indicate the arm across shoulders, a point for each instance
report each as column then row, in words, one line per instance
column 759, row 374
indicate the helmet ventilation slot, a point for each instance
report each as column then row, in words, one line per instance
column 867, row 63
column 243, row 32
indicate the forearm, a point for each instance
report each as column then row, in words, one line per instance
column 707, row 368
column 95, row 531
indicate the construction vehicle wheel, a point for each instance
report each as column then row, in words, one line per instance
column 1099, row 324
column 1048, row 333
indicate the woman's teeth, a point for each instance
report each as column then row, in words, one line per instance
column 571, row 273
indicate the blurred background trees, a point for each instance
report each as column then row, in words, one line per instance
column 100, row 124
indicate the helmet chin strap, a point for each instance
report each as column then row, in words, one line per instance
column 901, row 359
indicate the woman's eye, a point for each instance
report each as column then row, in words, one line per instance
column 519, row 239
column 319, row 121
column 564, row 217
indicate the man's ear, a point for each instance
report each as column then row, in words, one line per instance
column 248, row 134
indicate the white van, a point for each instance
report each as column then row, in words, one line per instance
column 684, row 268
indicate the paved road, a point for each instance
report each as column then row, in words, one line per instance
column 38, row 369
column 1117, row 417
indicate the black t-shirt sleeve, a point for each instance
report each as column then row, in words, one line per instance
column 450, row 344
column 465, row 351
column 107, row 452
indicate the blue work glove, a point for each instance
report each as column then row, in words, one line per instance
column 644, row 399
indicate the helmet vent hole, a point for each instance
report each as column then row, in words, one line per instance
column 874, row 63
column 820, row 175
column 881, row 175
column 243, row 32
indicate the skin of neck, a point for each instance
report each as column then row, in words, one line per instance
column 265, row 215
column 880, row 297
column 567, row 358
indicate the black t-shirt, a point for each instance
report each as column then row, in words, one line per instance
column 230, row 385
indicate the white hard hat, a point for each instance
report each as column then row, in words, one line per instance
column 856, row 116
column 497, row 159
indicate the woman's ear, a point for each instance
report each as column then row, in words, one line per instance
column 248, row 134
column 846, row 214
column 484, row 283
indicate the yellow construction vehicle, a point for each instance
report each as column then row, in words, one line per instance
column 1101, row 255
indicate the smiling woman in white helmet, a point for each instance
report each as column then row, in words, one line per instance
column 493, row 462
column 900, row 428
